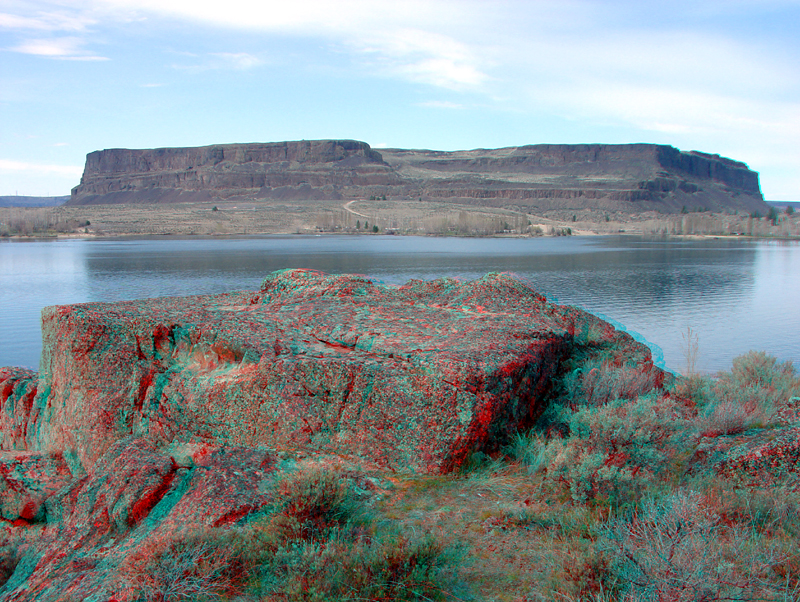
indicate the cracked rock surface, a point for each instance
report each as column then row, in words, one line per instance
column 411, row 378
column 155, row 418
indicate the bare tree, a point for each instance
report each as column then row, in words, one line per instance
column 690, row 347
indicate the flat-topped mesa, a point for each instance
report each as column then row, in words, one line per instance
column 627, row 177
column 313, row 169
column 413, row 378
column 535, row 178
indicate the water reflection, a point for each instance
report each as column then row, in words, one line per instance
column 736, row 295
column 32, row 275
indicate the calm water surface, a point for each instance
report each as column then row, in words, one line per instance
column 737, row 295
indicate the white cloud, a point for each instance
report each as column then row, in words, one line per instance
column 425, row 57
column 43, row 18
column 386, row 35
column 440, row 104
column 239, row 60
column 308, row 17
column 65, row 48
column 46, row 21
column 21, row 166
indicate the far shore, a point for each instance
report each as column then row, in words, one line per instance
column 370, row 218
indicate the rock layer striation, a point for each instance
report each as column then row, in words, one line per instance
column 625, row 177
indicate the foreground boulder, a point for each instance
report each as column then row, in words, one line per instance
column 134, row 499
column 158, row 421
column 410, row 378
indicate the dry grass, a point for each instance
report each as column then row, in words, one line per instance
column 254, row 216
column 690, row 351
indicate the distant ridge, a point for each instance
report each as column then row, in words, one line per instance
column 32, row 201
column 784, row 204
column 620, row 177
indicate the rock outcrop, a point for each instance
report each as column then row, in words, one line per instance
column 153, row 421
column 410, row 378
column 626, row 177
column 160, row 420
column 132, row 500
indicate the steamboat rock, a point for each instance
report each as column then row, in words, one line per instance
column 631, row 178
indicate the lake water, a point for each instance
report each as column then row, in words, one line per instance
column 736, row 295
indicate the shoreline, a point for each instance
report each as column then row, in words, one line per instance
column 575, row 234
column 392, row 218
column 19, row 237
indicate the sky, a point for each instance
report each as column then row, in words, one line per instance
column 82, row 75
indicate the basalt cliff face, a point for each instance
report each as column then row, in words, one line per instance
column 629, row 177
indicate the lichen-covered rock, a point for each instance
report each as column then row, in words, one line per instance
column 151, row 420
column 415, row 377
column 135, row 497
column 759, row 457
column 17, row 390
column 27, row 479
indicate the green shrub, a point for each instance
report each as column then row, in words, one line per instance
column 608, row 453
column 599, row 381
column 310, row 505
column 757, row 369
column 696, row 388
column 753, row 394
column 678, row 548
column 343, row 568
column 532, row 450
column 316, row 542
column 624, row 445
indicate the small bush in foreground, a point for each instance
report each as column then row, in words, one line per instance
column 677, row 548
column 314, row 543
column 317, row 543
column 610, row 453
column 194, row 567
column 751, row 395
column 343, row 568
column 310, row 505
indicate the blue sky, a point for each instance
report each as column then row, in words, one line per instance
column 78, row 76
